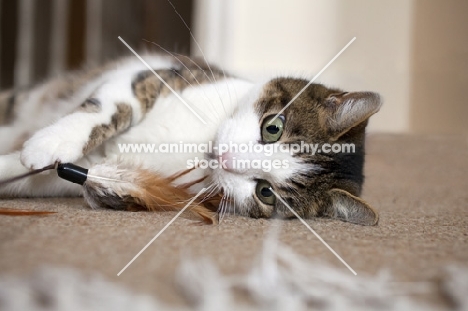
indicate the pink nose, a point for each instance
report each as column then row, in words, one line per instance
column 227, row 160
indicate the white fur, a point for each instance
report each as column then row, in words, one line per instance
column 38, row 108
column 170, row 121
column 64, row 140
column 227, row 106
column 244, row 128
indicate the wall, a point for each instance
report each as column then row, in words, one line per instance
column 440, row 67
column 263, row 37
column 39, row 39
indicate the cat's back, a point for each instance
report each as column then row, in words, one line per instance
column 211, row 92
column 38, row 105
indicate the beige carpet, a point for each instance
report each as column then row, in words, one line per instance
column 418, row 183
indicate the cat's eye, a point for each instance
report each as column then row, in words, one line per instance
column 271, row 132
column 264, row 193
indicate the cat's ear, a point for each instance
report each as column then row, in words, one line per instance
column 346, row 110
column 347, row 207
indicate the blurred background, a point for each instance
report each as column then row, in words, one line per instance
column 413, row 52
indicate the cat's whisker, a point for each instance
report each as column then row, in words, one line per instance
column 220, row 209
column 196, row 65
column 228, row 88
column 212, row 188
column 217, row 90
column 182, row 77
column 228, row 204
column 224, row 206
column 231, row 206
column 212, row 83
column 234, row 205
column 236, row 95
column 193, row 38
column 187, row 68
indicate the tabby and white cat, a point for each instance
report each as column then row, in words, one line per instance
column 82, row 118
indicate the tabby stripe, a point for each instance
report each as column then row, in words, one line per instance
column 297, row 184
column 147, row 87
column 120, row 121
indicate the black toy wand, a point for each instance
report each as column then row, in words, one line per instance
column 68, row 171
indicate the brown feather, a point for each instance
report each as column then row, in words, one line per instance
column 156, row 193
column 180, row 174
column 138, row 189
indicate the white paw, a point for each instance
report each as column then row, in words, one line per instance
column 50, row 145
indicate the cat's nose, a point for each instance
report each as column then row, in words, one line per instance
column 239, row 163
column 227, row 160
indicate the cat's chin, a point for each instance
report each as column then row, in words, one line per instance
column 223, row 179
column 236, row 187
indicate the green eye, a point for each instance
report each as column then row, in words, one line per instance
column 264, row 193
column 271, row 132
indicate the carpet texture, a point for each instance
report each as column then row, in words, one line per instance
column 417, row 183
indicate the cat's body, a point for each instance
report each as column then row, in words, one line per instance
column 84, row 117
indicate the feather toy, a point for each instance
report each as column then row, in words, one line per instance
column 122, row 187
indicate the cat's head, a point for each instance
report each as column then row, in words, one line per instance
column 320, row 184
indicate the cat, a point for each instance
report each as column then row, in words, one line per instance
column 84, row 117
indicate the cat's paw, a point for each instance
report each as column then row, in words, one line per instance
column 51, row 145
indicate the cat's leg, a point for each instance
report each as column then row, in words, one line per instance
column 111, row 110
column 41, row 185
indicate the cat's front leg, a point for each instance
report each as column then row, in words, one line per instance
column 111, row 110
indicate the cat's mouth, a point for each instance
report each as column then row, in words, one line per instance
column 211, row 156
